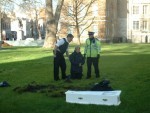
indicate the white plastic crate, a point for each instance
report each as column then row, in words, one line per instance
column 94, row 97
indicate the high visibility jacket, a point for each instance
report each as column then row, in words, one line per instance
column 92, row 47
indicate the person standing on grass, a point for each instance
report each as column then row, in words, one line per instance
column 76, row 60
column 59, row 61
column 92, row 52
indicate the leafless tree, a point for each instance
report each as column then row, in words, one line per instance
column 79, row 15
column 33, row 8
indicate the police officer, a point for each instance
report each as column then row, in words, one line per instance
column 59, row 61
column 92, row 52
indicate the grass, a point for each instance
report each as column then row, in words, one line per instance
column 125, row 65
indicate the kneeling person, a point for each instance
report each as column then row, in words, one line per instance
column 77, row 60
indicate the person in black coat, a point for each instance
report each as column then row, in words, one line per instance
column 77, row 60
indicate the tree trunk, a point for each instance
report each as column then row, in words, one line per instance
column 78, row 35
column 38, row 26
column 78, row 30
column 52, row 23
column 50, row 35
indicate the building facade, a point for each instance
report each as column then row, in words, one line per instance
column 5, row 24
column 17, row 27
column 138, row 21
column 115, row 21
column 110, row 20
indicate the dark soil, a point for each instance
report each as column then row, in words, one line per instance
column 50, row 90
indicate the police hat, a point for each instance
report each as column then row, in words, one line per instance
column 90, row 33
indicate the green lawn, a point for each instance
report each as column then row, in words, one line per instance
column 127, row 66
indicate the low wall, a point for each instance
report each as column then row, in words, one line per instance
column 26, row 42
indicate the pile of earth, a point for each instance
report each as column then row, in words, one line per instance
column 50, row 90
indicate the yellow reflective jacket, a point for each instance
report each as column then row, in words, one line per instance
column 92, row 47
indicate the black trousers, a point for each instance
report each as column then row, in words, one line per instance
column 59, row 62
column 93, row 61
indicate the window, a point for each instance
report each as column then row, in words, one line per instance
column 70, row 10
column 144, row 25
column 82, row 28
column 70, row 29
column 95, row 9
column 145, row 9
column 82, row 10
column 95, row 29
column 107, row 13
column 107, row 31
column 135, row 25
column 135, row 9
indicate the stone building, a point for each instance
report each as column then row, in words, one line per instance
column 128, row 21
column 116, row 20
column 5, row 26
column 27, row 27
column 110, row 20
column 138, row 21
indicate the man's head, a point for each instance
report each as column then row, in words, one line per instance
column 77, row 49
column 91, row 34
column 70, row 37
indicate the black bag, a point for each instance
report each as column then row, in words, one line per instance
column 4, row 84
column 102, row 86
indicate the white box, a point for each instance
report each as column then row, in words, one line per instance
column 94, row 97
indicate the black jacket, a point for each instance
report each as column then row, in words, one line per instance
column 76, row 59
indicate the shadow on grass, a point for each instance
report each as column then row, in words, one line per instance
column 127, row 72
column 37, row 75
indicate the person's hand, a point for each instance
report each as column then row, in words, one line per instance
column 80, row 64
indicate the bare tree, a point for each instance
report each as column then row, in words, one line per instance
column 52, row 22
column 33, row 8
column 79, row 15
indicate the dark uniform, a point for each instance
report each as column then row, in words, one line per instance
column 59, row 60
column 92, row 51
column 77, row 60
